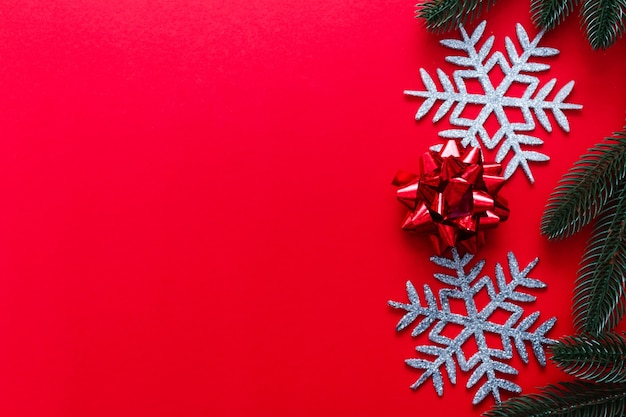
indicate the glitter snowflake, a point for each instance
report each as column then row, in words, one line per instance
column 487, row 363
column 494, row 99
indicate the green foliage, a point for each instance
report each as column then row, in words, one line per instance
column 605, row 21
column 600, row 358
column 599, row 294
column 574, row 399
column 548, row 14
column 444, row 15
column 594, row 187
column 584, row 190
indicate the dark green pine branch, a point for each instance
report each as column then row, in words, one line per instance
column 599, row 294
column 444, row 15
column 574, row 399
column 583, row 191
column 599, row 358
column 605, row 21
column 548, row 14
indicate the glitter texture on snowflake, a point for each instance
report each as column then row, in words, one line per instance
column 487, row 363
column 495, row 99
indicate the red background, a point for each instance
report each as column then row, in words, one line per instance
column 197, row 215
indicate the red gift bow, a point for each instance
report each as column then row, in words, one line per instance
column 453, row 198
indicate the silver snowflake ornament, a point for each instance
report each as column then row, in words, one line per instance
column 511, row 137
column 488, row 363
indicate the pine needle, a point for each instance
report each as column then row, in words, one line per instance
column 605, row 21
column 568, row 399
column 547, row 14
column 599, row 301
column 599, row 358
column 445, row 15
column 583, row 191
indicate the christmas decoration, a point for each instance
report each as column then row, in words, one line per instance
column 595, row 186
column 443, row 15
column 453, row 198
column 600, row 358
column 477, row 65
column 599, row 299
column 604, row 20
column 584, row 190
column 568, row 399
column 487, row 364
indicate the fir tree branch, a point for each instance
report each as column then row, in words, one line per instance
column 599, row 294
column 605, row 21
column 548, row 14
column 583, row 191
column 573, row 399
column 444, row 15
column 599, row 358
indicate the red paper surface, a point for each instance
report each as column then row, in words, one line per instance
column 197, row 214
